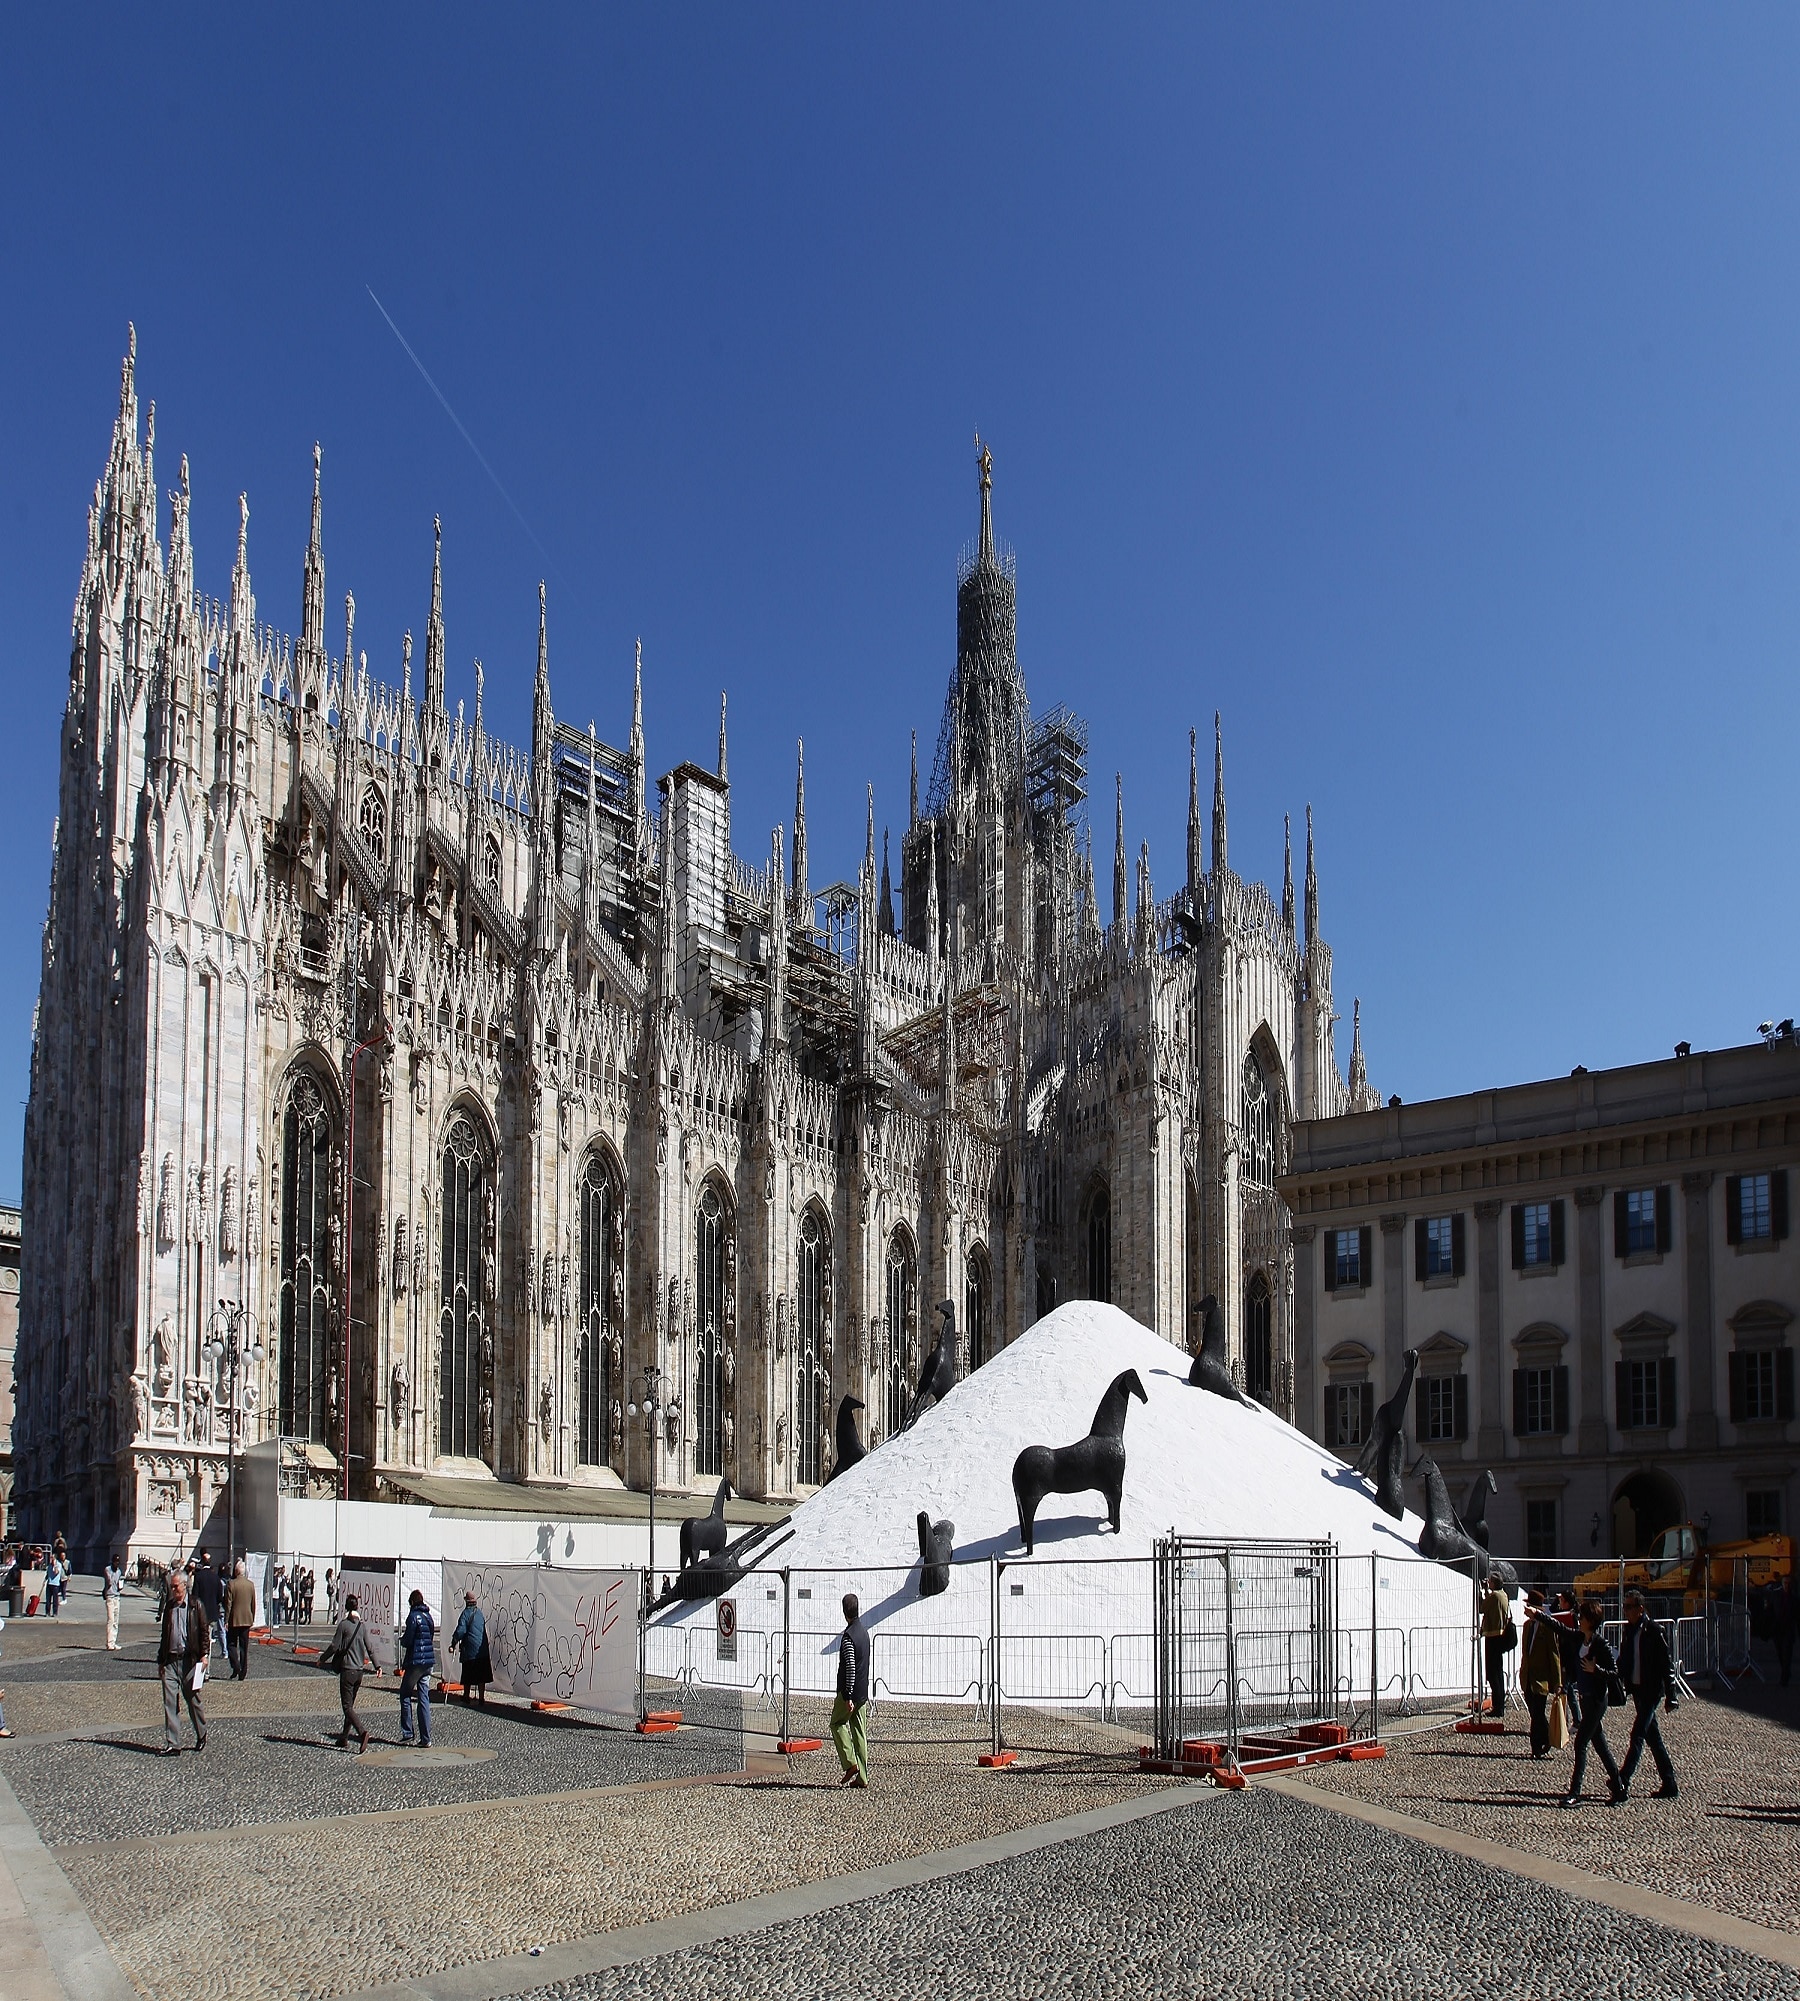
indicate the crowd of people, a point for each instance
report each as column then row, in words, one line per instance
column 17, row 1559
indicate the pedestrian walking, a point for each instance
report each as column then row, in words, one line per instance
column 1597, row 1680
column 1496, row 1620
column 418, row 1655
column 183, row 1648
column 240, row 1616
column 112, row 1587
column 348, row 1652
column 850, row 1712
column 470, row 1645
column 1649, row 1677
column 1540, row 1670
column 209, row 1593
column 56, row 1584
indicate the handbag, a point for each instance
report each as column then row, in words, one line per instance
column 1558, row 1721
column 1509, row 1639
column 1615, row 1692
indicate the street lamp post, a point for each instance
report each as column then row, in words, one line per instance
column 227, row 1345
column 650, row 1407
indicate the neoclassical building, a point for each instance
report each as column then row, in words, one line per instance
column 468, row 1081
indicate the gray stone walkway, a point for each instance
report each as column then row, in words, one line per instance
column 1259, row 1894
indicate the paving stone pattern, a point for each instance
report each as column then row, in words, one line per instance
column 1727, row 1842
column 1258, row 1895
column 272, row 1769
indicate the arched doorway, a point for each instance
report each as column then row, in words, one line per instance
column 1259, row 1340
column 1645, row 1504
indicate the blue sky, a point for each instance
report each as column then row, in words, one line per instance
column 1416, row 386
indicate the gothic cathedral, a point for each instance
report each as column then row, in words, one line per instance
column 466, row 1083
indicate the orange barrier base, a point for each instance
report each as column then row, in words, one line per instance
column 450, row 1688
column 547, row 1708
column 306, row 1653
column 991, row 1760
column 663, row 1716
column 796, row 1747
column 650, row 1727
column 1481, row 1726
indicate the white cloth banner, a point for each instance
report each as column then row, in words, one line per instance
column 377, row 1596
column 256, row 1568
column 553, row 1635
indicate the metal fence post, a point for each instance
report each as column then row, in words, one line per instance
column 787, row 1656
column 1374, row 1678
column 994, row 1568
column 643, row 1645
column 1621, row 1611
column 1231, row 1688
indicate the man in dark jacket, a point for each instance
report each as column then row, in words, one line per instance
column 418, row 1655
column 850, row 1712
column 209, row 1594
column 1649, row 1675
column 182, row 1650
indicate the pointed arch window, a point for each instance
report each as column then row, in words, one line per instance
column 809, row 1347
column 1259, row 1339
column 308, row 1309
column 491, row 863
column 602, row 1296
column 977, row 1306
column 1257, row 1126
column 1099, row 1242
column 712, row 1261
column 465, row 1332
column 371, row 822
column 902, row 1291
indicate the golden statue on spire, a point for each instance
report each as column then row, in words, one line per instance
column 985, row 459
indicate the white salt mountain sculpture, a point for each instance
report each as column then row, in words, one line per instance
column 1082, row 1609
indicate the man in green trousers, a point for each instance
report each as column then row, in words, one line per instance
column 850, row 1712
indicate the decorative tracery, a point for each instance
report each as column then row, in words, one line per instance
column 602, row 1241
column 713, row 1259
column 811, row 1347
column 465, row 1311
column 309, row 1315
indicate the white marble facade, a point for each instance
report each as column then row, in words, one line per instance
column 620, row 1096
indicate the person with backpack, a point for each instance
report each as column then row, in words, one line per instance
column 418, row 1655
column 1597, row 1685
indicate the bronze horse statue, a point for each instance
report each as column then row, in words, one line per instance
column 1094, row 1464
column 701, row 1535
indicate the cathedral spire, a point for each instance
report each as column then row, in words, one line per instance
column 1146, row 901
column 1090, row 912
column 243, row 605
column 543, row 716
column 1119, row 892
column 1196, row 861
column 434, row 626
column 312, row 585
column 1312, row 886
column 1359, row 1069
column 931, row 894
column 346, row 691
column 802, row 901
column 665, row 916
column 1218, row 831
column 914, row 820
column 639, row 792
column 887, row 890
column 1287, row 872
column 869, row 846
column 985, row 459
column 724, row 765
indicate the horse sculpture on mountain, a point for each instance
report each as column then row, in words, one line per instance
column 702, row 1535
column 1212, row 1364
column 1390, row 1423
column 938, row 1377
column 850, row 1447
column 1445, row 1540
column 1094, row 1464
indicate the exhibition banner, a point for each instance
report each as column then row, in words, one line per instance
column 375, row 1582
column 553, row 1635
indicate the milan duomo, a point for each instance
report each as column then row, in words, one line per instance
column 483, row 1078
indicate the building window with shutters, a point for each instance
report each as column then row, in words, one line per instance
column 1441, row 1395
column 1540, row 1531
column 1643, row 1223
column 1756, row 1210
column 1646, row 1388
column 1762, row 1511
column 1540, row 1384
column 1439, row 1249
column 1349, row 1413
column 1537, row 1236
column 1762, row 1385
column 1347, row 1259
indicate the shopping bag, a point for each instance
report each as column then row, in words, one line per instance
column 1558, row 1720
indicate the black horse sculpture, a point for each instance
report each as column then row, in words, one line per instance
column 938, row 1377
column 1212, row 1365
column 1390, row 1489
column 1474, row 1515
column 1445, row 1540
column 1390, row 1423
column 937, row 1544
column 1095, row 1463
column 721, row 1570
column 701, row 1535
column 850, row 1448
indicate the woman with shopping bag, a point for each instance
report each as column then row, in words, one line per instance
column 1541, row 1675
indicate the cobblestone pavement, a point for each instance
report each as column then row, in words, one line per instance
column 1732, row 1840
column 115, row 1788
column 1258, row 1895
column 315, row 1911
